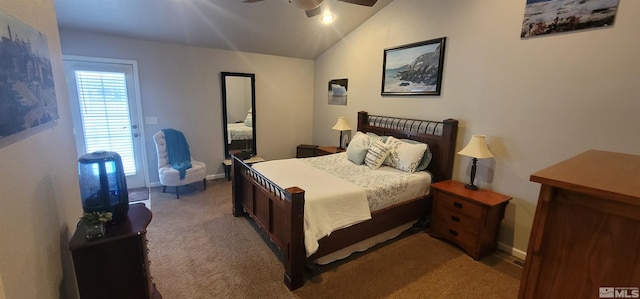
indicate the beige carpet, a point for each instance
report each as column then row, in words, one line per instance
column 199, row 250
column 138, row 194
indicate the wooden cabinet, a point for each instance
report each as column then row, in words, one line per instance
column 469, row 218
column 308, row 150
column 116, row 265
column 586, row 229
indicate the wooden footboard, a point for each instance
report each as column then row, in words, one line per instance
column 279, row 212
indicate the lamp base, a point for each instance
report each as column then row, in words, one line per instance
column 471, row 187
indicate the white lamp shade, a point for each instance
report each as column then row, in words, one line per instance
column 306, row 4
column 476, row 148
column 342, row 124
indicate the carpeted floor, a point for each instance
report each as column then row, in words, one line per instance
column 199, row 250
column 138, row 194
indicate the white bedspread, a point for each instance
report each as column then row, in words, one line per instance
column 330, row 203
column 385, row 186
column 238, row 131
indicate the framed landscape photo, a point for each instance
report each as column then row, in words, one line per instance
column 414, row 69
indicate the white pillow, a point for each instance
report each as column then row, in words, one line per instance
column 403, row 155
column 248, row 121
column 376, row 154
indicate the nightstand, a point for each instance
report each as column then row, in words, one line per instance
column 227, row 165
column 308, row 150
column 327, row 150
column 469, row 218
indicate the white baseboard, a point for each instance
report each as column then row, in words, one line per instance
column 517, row 253
column 209, row 177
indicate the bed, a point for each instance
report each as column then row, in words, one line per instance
column 239, row 136
column 280, row 210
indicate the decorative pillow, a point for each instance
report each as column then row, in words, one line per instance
column 403, row 155
column 358, row 147
column 248, row 121
column 426, row 158
column 376, row 154
column 376, row 136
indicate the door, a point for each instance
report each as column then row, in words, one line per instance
column 105, row 109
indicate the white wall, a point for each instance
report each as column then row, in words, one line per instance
column 539, row 100
column 40, row 199
column 180, row 85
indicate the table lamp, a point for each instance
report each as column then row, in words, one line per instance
column 477, row 149
column 341, row 126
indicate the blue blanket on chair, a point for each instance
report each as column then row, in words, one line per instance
column 178, row 151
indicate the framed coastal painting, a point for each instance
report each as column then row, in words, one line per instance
column 414, row 69
column 544, row 17
column 27, row 92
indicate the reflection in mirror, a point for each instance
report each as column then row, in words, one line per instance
column 239, row 112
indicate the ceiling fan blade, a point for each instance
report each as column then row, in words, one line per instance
column 251, row 1
column 313, row 12
column 361, row 2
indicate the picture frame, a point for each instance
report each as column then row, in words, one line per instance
column 28, row 92
column 414, row 69
column 337, row 91
column 345, row 140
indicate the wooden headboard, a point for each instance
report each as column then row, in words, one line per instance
column 439, row 135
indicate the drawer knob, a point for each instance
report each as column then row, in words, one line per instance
column 453, row 232
column 455, row 218
column 457, row 205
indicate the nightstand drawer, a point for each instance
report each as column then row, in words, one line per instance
column 458, row 220
column 459, row 205
column 464, row 238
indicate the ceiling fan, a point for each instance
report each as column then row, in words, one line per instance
column 313, row 7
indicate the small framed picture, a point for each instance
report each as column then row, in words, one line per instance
column 346, row 138
column 338, row 91
column 414, row 69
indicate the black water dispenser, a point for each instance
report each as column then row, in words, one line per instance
column 102, row 184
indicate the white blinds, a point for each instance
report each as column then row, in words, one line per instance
column 105, row 114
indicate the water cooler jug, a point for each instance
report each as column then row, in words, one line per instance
column 102, row 184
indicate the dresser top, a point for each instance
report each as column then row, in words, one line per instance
column 599, row 173
column 135, row 224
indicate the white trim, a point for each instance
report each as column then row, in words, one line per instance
column 140, row 116
column 209, row 177
column 517, row 253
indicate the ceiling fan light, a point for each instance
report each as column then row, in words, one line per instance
column 306, row 4
column 327, row 19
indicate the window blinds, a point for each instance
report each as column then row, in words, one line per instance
column 104, row 109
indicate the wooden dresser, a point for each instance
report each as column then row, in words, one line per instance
column 586, row 229
column 116, row 265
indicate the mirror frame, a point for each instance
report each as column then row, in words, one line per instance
column 223, row 84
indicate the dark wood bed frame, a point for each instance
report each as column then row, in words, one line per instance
column 279, row 211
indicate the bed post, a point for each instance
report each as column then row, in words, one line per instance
column 363, row 119
column 236, row 187
column 450, row 130
column 294, row 253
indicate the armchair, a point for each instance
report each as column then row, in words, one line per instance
column 170, row 176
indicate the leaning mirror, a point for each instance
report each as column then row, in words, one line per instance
column 239, row 112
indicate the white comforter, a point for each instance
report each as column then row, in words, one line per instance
column 238, row 131
column 330, row 203
column 339, row 193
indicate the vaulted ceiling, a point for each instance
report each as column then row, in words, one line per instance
column 273, row 27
